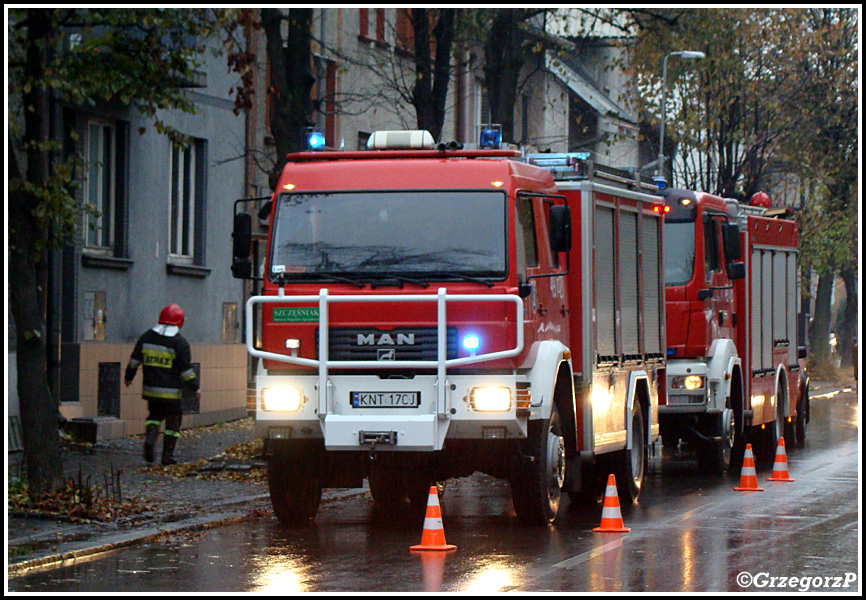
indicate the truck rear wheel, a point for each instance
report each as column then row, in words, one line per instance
column 295, row 481
column 802, row 416
column 714, row 457
column 536, row 488
column 630, row 467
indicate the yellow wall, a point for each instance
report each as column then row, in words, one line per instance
column 223, row 369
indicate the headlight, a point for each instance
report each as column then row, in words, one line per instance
column 490, row 398
column 687, row 382
column 282, row 398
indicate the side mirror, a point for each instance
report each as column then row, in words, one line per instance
column 242, row 268
column 736, row 270
column 560, row 228
column 731, row 235
column 242, row 236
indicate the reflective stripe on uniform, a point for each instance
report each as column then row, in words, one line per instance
column 134, row 363
column 188, row 374
column 157, row 423
column 172, row 433
column 160, row 392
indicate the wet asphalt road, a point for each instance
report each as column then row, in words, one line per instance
column 688, row 533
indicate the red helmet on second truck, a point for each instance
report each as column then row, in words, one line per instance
column 172, row 315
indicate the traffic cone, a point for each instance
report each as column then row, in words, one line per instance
column 433, row 536
column 780, row 466
column 748, row 476
column 611, row 517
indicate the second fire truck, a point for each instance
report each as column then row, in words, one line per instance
column 735, row 364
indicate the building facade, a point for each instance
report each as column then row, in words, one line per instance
column 158, row 233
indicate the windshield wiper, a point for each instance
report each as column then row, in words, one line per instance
column 382, row 281
column 444, row 275
column 324, row 274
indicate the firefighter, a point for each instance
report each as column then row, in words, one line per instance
column 166, row 357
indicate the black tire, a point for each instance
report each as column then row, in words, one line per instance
column 536, row 487
column 768, row 438
column 714, row 458
column 631, row 464
column 802, row 416
column 295, row 483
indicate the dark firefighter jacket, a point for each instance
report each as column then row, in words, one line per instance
column 167, row 366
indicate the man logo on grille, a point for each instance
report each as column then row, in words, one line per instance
column 386, row 339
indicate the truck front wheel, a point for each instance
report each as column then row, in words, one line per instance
column 295, row 481
column 536, row 487
column 629, row 479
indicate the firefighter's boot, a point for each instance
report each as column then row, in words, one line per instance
column 169, row 440
column 151, row 435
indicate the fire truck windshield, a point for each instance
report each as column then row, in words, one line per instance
column 367, row 234
column 679, row 249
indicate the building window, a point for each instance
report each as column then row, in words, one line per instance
column 187, row 181
column 364, row 22
column 404, row 31
column 100, row 186
column 325, row 94
column 364, row 15
column 380, row 25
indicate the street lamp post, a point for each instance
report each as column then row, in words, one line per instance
column 685, row 55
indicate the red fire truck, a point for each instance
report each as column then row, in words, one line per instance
column 735, row 368
column 430, row 312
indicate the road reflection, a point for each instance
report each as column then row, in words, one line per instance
column 689, row 533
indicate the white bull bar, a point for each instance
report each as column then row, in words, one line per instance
column 441, row 364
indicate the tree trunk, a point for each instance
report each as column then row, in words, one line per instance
column 39, row 421
column 847, row 330
column 819, row 333
column 503, row 59
column 291, row 81
column 27, row 248
column 432, row 73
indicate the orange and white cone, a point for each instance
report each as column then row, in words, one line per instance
column 433, row 536
column 611, row 516
column 748, row 476
column 780, row 466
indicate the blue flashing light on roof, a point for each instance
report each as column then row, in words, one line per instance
column 491, row 137
column 315, row 140
column 660, row 182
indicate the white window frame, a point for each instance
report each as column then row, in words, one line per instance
column 100, row 191
column 182, row 203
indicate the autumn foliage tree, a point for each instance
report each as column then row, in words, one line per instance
column 776, row 96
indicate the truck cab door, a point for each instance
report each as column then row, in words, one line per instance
column 720, row 305
column 546, row 306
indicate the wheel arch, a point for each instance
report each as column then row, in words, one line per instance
column 782, row 386
column 638, row 391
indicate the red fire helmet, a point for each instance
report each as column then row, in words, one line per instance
column 172, row 315
column 760, row 199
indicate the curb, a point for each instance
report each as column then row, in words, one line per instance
column 155, row 531
column 91, row 548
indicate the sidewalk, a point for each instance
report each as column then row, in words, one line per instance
column 216, row 489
